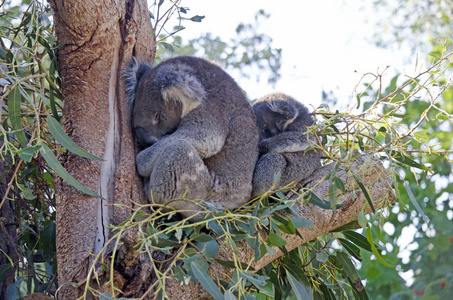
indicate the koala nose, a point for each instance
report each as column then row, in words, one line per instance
column 144, row 139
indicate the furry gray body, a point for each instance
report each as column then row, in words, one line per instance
column 282, row 122
column 198, row 132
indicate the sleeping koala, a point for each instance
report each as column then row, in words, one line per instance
column 282, row 122
column 197, row 131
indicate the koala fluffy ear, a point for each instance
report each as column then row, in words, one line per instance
column 287, row 110
column 179, row 83
column 132, row 75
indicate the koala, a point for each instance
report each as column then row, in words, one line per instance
column 282, row 122
column 197, row 132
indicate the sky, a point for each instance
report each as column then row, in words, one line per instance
column 323, row 43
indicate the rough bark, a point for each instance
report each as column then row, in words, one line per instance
column 98, row 38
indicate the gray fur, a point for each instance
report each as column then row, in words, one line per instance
column 198, row 134
column 282, row 122
column 132, row 75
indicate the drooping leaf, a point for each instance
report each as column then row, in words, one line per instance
column 197, row 18
column 64, row 140
column 301, row 291
column 206, row 281
column 407, row 161
column 229, row 295
column 275, row 240
column 414, row 202
column 27, row 153
column 4, row 269
column 348, row 267
column 54, row 164
column 373, row 248
column 316, row 200
column 357, row 239
column 365, row 192
column 14, row 104
column 352, row 249
column 256, row 279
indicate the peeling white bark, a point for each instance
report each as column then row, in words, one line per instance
column 106, row 178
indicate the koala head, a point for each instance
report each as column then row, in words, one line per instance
column 160, row 98
column 274, row 113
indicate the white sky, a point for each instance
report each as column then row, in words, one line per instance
column 322, row 42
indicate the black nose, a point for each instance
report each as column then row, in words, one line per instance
column 144, row 139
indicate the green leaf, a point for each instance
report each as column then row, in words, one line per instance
column 422, row 136
column 53, row 106
column 289, row 228
column 209, row 248
column 203, row 238
column 168, row 46
column 229, row 295
column 301, row 291
column 358, row 290
column 4, row 269
column 275, row 240
column 407, row 161
column 230, row 264
column 277, row 286
column 324, row 293
column 358, row 239
column 333, row 197
column 414, row 202
column 322, row 257
column 206, row 281
column 257, row 280
column 352, row 249
column 55, row 165
column 348, row 267
column 316, row 200
column 180, row 276
column 47, row 242
column 301, row 222
column 339, row 183
column 64, row 140
column 365, row 192
column 197, row 18
column 14, row 105
column 28, row 152
column 361, row 218
column 373, row 248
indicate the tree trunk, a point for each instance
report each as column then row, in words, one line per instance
column 98, row 39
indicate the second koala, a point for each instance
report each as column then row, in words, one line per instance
column 282, row 122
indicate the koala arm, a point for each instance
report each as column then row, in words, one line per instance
column 206, row 143
column 288, row 141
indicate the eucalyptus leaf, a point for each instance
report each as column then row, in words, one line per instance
column 365, row 192
column 373, row 248
column 54, row 164
column 58, row 133
column 206, row 281
column 14, row 108
column 301, row 291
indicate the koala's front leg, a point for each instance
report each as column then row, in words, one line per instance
column 146, row 159
column 288, row 141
